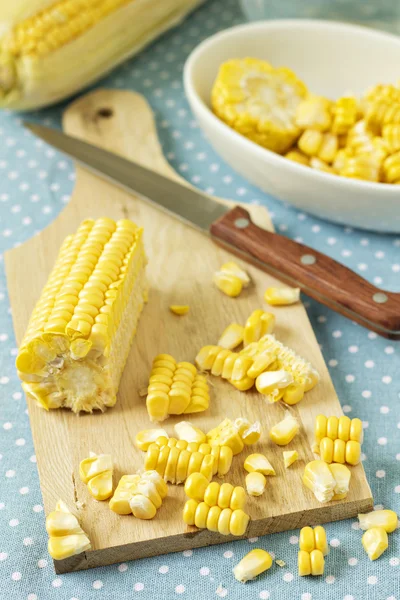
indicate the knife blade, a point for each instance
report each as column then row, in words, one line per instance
column 316, row 274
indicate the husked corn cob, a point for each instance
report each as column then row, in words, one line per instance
column 320, row 478
column 391, row 168
column 375, row 542
column 179, row 309
column 148, row 436
column 197, row 487
column 258, row 463
column 283, row 432
column 186, row 431
column 290, row 457
column 259, row 101
column 139, row 494
column 231, row 337
column 257, row 325
column 176, row 459
column 345, row 111
column 282, row 296
column 235, row 435
column 253, row 564
column 42, row 43
column 313, row 547
column 231, row 279
column 175, row 388
column 78, row 338
column 66, row 537
column 379, row 518
column 338, row 439
column 97, row 471
column 314, row 113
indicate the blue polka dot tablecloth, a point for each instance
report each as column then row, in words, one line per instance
column 35, row 185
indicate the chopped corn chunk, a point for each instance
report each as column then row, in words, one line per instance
column 148, row 436
column 214, row 518
column 283, row 432
column 66, row 537
column 282, row 296
column 342, row 476
column 96, row 471
column 235, row 434
column 179, row 309
column 255, row 483
column 375, row 542
column 140, row 495
column 379, row 518
column 197, row 487
column 231, row 279
column 258, row 463
column 290, row 457
column 257, row 325
column 231, row 337
column 235, row 269
column 253, row 564
column 319, row 479
column 313, row 547
column 186, row 431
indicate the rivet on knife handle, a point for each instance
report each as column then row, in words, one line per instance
column 316, row 274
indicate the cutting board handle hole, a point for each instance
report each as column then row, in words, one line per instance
column 105, row 113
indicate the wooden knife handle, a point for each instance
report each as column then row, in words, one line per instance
column 316, row 274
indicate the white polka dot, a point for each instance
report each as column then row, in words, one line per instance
column 372, row 580
column 315, row 228
column 28, row 541
column 369, row 364
column 396, row 267
column 386, row 379
column 163, row 569
column 398, row 456
column 10, row 473
column 330, row 579
column 353, row 349
column 391, row 598
column 346, row 252
column 366, row 394
column 32, row 458
column 187, row 553
column 98, row 584
column 180, row 589
column 288, row 577
column 331, row 241
column 17, row 396
column 353, row 561
column 253, row 540
column 382, row 441
column 335, row 543
column 264, row 595
column 7, row 426
column 221, row 592
column 42, row 563
column 350, row 378
column 337, row 334
column 389, row 350
column 362, row 267
column 321, row 319
column 355, row 525
column 293, row 539
column 37, row 508
column 363, row 456
column 397, row 489
column 56, row 583
column 380, row 474
column 348, row 597
column 384, row 410
column 333, row 362
column 346, row 408
column 34, row 597
column 394, row 562
column 24, row 490
column 20, row 442
column 3, row 555
column 228, row 554
column 16, row 576
column 204, row 571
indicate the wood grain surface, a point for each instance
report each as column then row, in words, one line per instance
column 181, row 264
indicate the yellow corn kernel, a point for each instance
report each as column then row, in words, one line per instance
column 328, row 148
column 224, row 460
column 356, row 431
column 379, row 518
column 258, row 463
column 186, row 431
column 238, row 498
column 140, row 495
column 250, row 433
column 293, row 393
column 375, row 542
column 297, row 156
column 151, row 459
column 290, row 457
column 196, row 486
column 213, row 518
column 307, row 539
column 345, row 113
column 353, row 452
column 283, row 296
column 272, row 383
column 314, row 112
column 310, row 141
column 319, row 479
column 224, row 521
column 235, row 269
column 321, row 165
column 304, row 563
column 326, row 449
column 148, row 436
column 253, row 564
column 317, row 562
column 321, row 543
column 182, row 466
column 242, row 384
column 283, row 432
column 179, row 309
column 238, row 522
column 260, row 364
column 201, row 514
column 342, row 476
column 391, row 133
column 96, row 472
column 332, row 427
column 66, row 537
column 210, row 495
column 234, row 434
column 101, row 486
column 365, row 167
column 255, row 483
column 339, row 451
column 229, row 284
column 189, row 511
column 259, row 101
column 344, row 427
column 224, row 495
column 321, row 422
column 258, row 324
column 231, row 337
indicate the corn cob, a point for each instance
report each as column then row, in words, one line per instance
column 66, row 537
column 97, row 471
column 176, row 459
column 140, row 495
column 327, row 481
column 175, row 388
column 259, row 101
column 253, row 564
column 78, row 338
column 215, row 507
column 313, row 547
column 381, row 113
column 49, row 49
column 235, row 435
column 338, row 439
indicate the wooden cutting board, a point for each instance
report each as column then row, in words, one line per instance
column 181, row 265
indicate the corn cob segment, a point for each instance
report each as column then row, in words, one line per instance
column 175, row 388
column 235, row 435
column 225, row 495
column 80, row 332
column 43, row 42
column 141, row 495
column 66, row 537
column 313, row 547
column 97, row 471
column 338, row 439
column 327, row 482
column 259, row 101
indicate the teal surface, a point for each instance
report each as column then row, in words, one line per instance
column 35, row 184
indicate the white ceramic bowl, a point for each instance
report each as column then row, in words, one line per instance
column 332, row 59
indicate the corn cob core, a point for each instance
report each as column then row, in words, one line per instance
column 176, row 459
column 313, row 547
column 139, row 494
column 66, row 537
column 175, row 388
column 78, row 338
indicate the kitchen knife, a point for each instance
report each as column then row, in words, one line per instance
column 298, row 265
